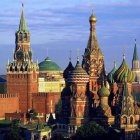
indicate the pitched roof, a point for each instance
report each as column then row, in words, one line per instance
column 22, row 26
column 135, row 54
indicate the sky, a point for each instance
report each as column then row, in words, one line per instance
column 58, row 26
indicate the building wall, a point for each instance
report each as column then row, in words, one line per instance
column 51, row 86
column 8, row 104
column 45, row 102
column 23, row 84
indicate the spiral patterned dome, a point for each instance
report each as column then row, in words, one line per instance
column 111, row 74
column 104, row 91
column 78, row 75
column 121, row 73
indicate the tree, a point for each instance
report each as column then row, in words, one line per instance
column 90, row 131
column 15, row 132
column 31, row 114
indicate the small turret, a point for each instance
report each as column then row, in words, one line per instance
column 110, row 76
column 136, row 64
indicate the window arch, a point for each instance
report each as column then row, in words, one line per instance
column 124, row 120
column 131, row 120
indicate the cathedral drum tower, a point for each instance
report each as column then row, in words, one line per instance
column 22, row 73
column 93, row 60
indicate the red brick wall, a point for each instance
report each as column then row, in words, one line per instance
column 24, row 85
column 12, row 116
column 42, row 102
column 8, row 104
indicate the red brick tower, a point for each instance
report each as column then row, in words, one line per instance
column 22, row 73
column 79, row 99
column 93, row 61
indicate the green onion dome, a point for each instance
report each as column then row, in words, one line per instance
column 103, row 91
column 78, row 75
column 122, row 71
column 110, row 76
column 49, row 65
column 68, row 70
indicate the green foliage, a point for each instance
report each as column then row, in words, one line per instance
column 89, row 131
column 15, row 132
column 58, row 107
column 31, row 114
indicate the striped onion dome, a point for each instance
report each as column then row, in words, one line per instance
column 78, row 75
column 110, row 76
column 103, row 91
column 122, row 71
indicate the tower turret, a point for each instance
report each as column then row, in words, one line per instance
column 125, row 117
column 136, row 64
column 22, row 73
column 22, row 50
column 79, row 100
column 93, row 60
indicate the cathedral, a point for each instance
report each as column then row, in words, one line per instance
column 84, row 92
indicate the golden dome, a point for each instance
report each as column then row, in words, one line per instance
column 92, row 17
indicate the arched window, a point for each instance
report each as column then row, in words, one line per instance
column 131, row 120
column 124, row 120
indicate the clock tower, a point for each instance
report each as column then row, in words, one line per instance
column 22, row 73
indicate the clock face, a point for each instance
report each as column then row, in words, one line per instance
column 19, row 55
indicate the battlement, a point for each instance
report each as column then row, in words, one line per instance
column 40, row 94
column 8, row 96
column 45, row 94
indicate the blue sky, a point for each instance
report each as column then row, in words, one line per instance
column 57, row 26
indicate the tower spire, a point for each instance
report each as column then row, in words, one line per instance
column 22, row 26
column 135, row 54
column 78, row 55
column 70, row 56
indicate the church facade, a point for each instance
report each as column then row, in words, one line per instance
column 85, row 93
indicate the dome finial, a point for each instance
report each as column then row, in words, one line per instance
column 22, row 3
column 135, row 41
column 124, row 56
column 115, row 65
column 70, row 55
column 92, row 17
column 92, row 11
column 78, row 55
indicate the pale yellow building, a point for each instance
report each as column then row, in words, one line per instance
column 50, row 77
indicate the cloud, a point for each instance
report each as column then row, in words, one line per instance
column 63, row 25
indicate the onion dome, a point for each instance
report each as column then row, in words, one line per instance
column 78, row 75
column 103, row 91
column 122, row 71
column 49, row 65
column 92, row 18
column 68, row 70
column 110, row 76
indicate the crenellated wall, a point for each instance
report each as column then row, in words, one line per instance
column 9, row 103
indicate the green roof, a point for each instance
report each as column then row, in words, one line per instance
column 104, row 91
column 23, row 26
column 49, row 65
column 135, row 55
